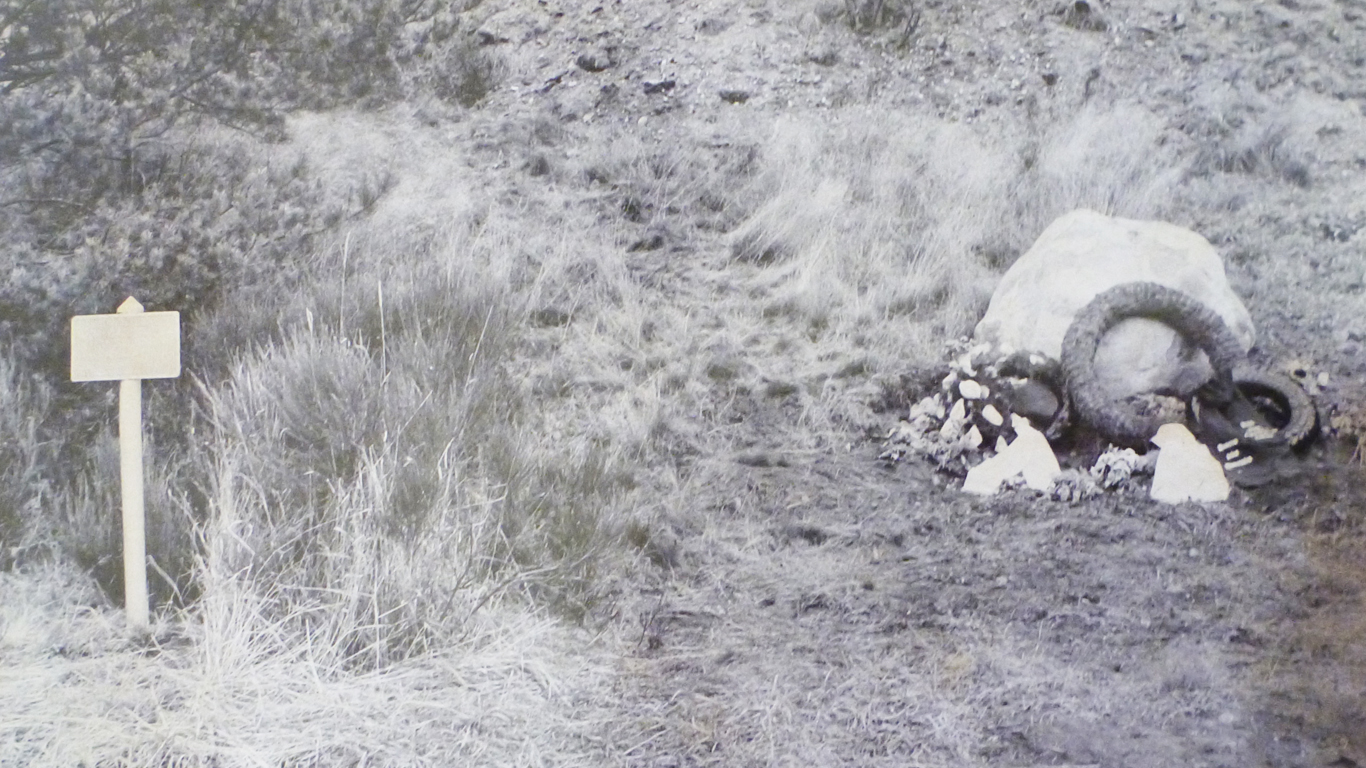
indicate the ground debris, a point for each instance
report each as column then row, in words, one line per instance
column 970, row 423
column 1117, row 467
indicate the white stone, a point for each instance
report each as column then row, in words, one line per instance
column 954, row 424
column 964, row 364
column 992, row 415
column 970, row 389
column 1029, row 455
column 1084, row 253
column 958, row 412
column 973, row 437
column 950, row 430
column 1186, row 470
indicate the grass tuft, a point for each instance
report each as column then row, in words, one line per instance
column 24, row 405
column 375, row 481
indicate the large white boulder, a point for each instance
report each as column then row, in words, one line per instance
column 1083, row 253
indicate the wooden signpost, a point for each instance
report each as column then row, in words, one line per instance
column 128, row 347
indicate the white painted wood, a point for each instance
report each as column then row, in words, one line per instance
column 134, row 516
column 130, row 345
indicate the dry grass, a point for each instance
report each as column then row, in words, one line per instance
column 229, row 686
column 898, row 222
column 24, row 404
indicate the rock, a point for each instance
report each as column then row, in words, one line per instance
column 973, row 439
column 931, row 406
column 1083, row 253
column 1035, row 400
column 958, row 412
column 1083, row 14
column 971, row 390
column 734, row 96
column 954, row 425
column 1029, row 455
column 992, row 415
column 1186, row 470
column 595, row 60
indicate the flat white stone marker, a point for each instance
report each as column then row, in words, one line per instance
column 128, row 347
column 1186, row 470
column 1029, row 455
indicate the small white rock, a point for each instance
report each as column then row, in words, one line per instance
column 974, row 437
column 964, row 364
column 970, row 389
column 951, row 430
column 1323, row 379
column 958, row 411
column 992, row 415
column 929, row 406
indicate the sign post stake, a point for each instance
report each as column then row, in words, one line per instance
column 131, row 475
column 127, row 347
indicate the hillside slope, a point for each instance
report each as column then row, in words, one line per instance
column 738, row 236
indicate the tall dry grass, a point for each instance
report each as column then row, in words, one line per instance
column 376, row 480
column 378, row 531
column 24, row 404
column 867, row 221
column 232, row 685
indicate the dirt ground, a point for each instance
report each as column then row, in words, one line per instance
column 831, row 611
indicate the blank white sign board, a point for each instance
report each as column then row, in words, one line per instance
column 128, row 347
column 145, row 345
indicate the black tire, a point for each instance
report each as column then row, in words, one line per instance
column 1200, row 325
column 1282, row 400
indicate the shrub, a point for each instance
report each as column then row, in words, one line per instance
column 865, row 16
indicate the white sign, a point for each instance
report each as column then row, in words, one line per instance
column 128, row 347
